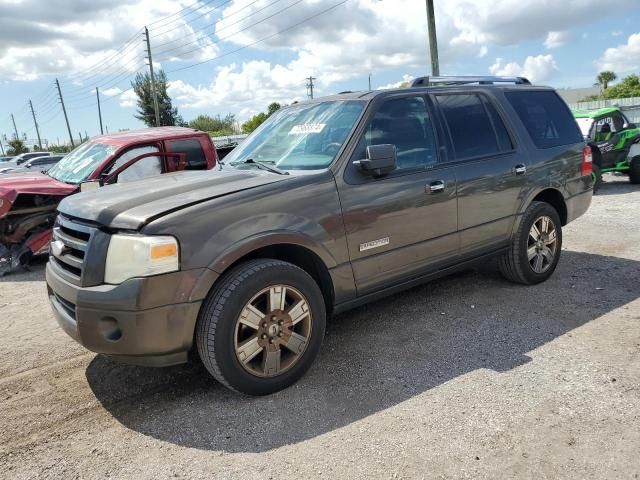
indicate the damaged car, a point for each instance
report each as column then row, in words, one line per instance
column 28, row 201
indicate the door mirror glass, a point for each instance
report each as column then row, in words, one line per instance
column 381, row 160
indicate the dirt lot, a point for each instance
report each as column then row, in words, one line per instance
column 466, row 377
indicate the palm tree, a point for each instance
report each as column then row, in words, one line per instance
column 605, row 78
column 16, row 147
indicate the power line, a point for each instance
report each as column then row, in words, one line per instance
column 198, row 6
column 220, row 39
column 244, row 47
column 214, row 8
column 217, row 21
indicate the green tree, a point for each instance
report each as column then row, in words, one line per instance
column 146, row 109
column 217, row 126
column 628, row 87
column 16, row 147
column 59, row 148
column 257, row 120
column 605, row 78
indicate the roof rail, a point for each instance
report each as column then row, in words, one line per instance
column 462, row 80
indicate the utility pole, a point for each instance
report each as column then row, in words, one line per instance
column 433, row 42
column 369, row 82
column 1, row 148
column 310, row 87
column 35, row 122
column 154, row 93
column 15, row 129
column 64, row 110
column 99, row 111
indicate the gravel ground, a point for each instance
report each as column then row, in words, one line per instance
column 465, row 377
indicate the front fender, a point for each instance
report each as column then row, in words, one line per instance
column 278, row 237
column 244, row 247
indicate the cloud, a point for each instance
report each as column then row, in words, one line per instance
column 556, row 39
column 624, row 58
column 72, row 36
column 536, row 69
column 111, row 92
column 128, row 99
column 405, row 79
column 617, row 33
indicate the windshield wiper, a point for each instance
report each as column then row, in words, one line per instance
column 265, row 166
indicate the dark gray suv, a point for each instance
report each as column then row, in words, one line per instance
column 330, row 204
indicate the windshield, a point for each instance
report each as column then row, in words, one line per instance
column 300, row 137
column 585, row 125
column 81, row 163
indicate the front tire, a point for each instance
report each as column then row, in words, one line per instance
column 536, row 246
column 261, row 327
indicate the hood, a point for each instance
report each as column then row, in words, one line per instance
column 132, row 205
column 35, row 183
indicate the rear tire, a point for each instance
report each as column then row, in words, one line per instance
column 596, row 177
column 532, row 258
column 261, row 326
column 634, row 170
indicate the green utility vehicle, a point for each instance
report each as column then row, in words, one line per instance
column 614, row 142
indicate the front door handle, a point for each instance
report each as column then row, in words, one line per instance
column 520, row 169
column 435, row 187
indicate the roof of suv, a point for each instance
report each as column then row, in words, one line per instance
column 368, row 95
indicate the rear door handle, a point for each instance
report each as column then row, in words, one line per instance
column 520, row 169
column 436, row 187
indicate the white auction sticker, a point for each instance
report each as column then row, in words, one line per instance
column 307, row 128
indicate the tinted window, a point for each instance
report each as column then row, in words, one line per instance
column 546, row 118
column 469, row 125
column 193, row 150
column 405, row 123
column 504, row 140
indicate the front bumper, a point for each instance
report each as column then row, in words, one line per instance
column 142, row 321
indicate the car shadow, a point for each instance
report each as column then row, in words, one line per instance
column 616, row 185
column 373, row 358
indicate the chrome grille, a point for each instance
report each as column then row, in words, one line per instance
column 69, row 247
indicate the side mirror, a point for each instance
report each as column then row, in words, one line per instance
column 629, row 125
column 381, row 160
column 90, row 185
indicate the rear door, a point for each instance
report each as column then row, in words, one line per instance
column 490, row 172
column 405, row 223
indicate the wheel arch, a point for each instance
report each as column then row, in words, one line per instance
column 299, row 251
column 554, row 198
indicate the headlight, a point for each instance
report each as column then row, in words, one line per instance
column 138, row 256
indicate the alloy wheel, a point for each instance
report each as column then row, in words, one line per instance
column 273, row 330
column 542, row 244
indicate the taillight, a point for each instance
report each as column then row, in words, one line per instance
column 587, row 161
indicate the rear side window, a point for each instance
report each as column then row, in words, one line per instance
column 474, row 133
column 193, row 150
column 546, row 118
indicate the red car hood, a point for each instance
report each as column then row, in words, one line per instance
column 36, row 183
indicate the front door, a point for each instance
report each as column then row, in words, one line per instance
column 404, row 223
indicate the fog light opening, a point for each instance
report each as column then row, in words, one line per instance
column 109, row 329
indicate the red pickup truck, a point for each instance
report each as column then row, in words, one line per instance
column 28, row 201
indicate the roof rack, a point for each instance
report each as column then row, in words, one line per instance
column 462, row 80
